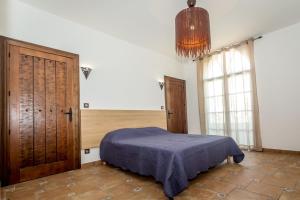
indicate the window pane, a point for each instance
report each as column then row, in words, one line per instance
column 248, row 101
column 241, row 120
column 236, row 62
column 249, row 116
column 240, row 102
column 218, row 86
column 242, row 138
column 233, row 121
column 214, row 87
column 242, row 127
column 220, row 121
column 212, row 132
column 213, row 67
column 219, row 104
column 251, row 138
column 210, row 104
column 245, row 138
column 247, row 82
column 209, row 89
column 236, row 84
column 232, row 103
column 233, row 135
column 237, row 102
column 211, row 121
column 233, row 62
column 220, row 132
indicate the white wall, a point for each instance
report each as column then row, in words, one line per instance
column 3, row 16
column 125, row 76
column 190, row 75
column 277, row 58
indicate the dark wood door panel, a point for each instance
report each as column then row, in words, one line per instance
column 42, row 54
column 61, row 109
column 51, row 154
column 26, row 110
column 14, row 147
column 175, row 94
column 39, row 111
column 37, row 171
column 43, row 140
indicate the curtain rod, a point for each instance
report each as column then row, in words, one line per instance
column 228, row 47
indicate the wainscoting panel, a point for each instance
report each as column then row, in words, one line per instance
column 96, row 123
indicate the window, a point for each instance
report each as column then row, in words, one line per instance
column 228, row 95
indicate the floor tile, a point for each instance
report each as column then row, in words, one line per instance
column 281, row 179
column 196, row 194
column 218, row 186
column 290, row 196
column 261, row 176
column 264, row 189
column 245, row 195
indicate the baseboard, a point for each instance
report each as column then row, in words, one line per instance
column 95, row 163
column 281, row 151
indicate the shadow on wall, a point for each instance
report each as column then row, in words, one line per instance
column 4, row 8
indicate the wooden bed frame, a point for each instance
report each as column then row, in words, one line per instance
column 228, row 161
column 95, row 124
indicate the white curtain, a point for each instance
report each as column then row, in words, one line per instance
column 227, row 95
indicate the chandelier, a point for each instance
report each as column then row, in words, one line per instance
column 192, row 31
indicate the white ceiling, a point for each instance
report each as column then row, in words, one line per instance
column 150, row 23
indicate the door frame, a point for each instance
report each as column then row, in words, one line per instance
column 166, row 79
column 5, row 137
column 3, row 112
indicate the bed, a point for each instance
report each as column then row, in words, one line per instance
column 172, row 159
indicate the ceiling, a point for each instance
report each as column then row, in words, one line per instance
column 150, row 23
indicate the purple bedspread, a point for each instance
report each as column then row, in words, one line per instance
column 172, row 159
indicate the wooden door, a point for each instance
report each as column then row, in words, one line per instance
column 175, row 96
column 43, row 107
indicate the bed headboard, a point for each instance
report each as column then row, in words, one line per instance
column 96, row 123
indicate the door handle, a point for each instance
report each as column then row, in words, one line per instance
column 169, row 113
column 70, row 113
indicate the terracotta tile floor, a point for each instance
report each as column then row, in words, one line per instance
column 263, row 176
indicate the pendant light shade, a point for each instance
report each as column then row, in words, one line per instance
column 192, row 31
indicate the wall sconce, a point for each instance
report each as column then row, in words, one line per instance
column 161, row 85
column 86, row 71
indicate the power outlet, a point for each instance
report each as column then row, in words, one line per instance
column 86, row 151
column 86, row 105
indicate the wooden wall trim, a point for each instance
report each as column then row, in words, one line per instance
column 3, row 112
column 91, row 164
column 1, row 104
column 281, row 151
column 96, row 123
column 77, row 112
column 41, row 48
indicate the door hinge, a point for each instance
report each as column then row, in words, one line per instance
column 8, row 93
column 9, row 54
column 9, row 132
